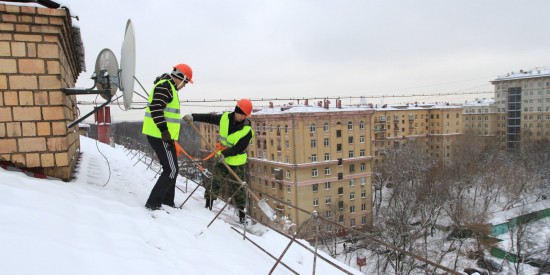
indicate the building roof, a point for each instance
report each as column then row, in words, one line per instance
column 534, row 73
column 300, row 108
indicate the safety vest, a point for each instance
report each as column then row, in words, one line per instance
column 230, row 140
column 171, row 115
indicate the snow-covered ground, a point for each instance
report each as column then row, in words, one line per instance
column 97, row 224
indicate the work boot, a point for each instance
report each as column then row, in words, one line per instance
column 242, row 217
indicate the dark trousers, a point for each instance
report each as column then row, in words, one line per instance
column 219, row 184
column 164, row 190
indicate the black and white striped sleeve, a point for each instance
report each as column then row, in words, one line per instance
column 162, row 95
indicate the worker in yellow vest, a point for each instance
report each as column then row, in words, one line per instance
column 161, row 125
column 235, row 135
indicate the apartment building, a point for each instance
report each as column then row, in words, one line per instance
column 434, row 126
column 523, row 105
column 315, row 158
column 445, row 126
column 480, row 119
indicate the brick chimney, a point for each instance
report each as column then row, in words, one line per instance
column 326, row 103
column 40, row 53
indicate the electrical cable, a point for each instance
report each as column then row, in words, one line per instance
column 97, row 146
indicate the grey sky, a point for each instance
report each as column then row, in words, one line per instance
column 304, row 49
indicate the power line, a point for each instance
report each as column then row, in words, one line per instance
column 232, row 100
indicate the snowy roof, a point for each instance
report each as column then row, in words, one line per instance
column 534, row 73
column 97, row 224
column 479, row 102
column 285, row 109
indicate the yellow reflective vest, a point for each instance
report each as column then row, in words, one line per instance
column 171, row 115
column 232, row 139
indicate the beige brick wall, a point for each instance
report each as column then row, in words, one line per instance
column 37, row 60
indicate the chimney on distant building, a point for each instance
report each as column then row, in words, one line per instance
column 306, row 102
column 271, row 105
column 326, row 103
column 339, row 104
column 320, row 103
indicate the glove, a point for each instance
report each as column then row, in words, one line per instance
column 188, row 118
column 165, row 136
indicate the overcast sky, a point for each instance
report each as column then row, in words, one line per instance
column 306, row 49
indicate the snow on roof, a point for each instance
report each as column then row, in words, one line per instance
column 534, row 73
column 479, row 102
column 286, row 109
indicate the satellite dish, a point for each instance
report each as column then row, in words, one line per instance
column 106, row 72
column 108, row 77
column 128, row 65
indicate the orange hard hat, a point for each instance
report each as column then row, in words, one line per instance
column 245, row 105
column 183, row 72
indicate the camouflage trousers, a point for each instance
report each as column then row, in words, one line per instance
column 223, row 184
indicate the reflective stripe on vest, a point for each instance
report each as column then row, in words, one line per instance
column 171, row 115
column 230, row 140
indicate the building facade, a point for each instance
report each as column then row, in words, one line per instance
column 523, row 107
column 317, row 158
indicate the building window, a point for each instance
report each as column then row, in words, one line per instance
column 363, row 220
column 350, row 140
column 288, row 205
column 362, row 152
column 338, row 147
column 352, row 168
column 363, row 207
column 314, row 172
column 327, row 156
column 351, row 154
column 352, row 209
column 328, row 214
column 287, row 174
column 350, row 125
column 312, row 128
column 341, row 218
column 361, row 125
column 363, row 194
column 313, row 158
column 313, row 143
column 340, row 205
column 363, row 167
column 325, row 127
column 352, row 195
column 327, row 200
column 288, row 188
column 338, row 133
column 327, row 185
column 340, row 190
column 340, row 176
column 315, row 202
column 352, row 183
column 326, row 142
column 327, row 171
column 315, row 187
column 362, row 139
column 352, row 222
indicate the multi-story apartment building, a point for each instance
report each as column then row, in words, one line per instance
column 523, row 107
column 480, row 119
column 315, row 158
column 445, row 126
column 434, row 126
